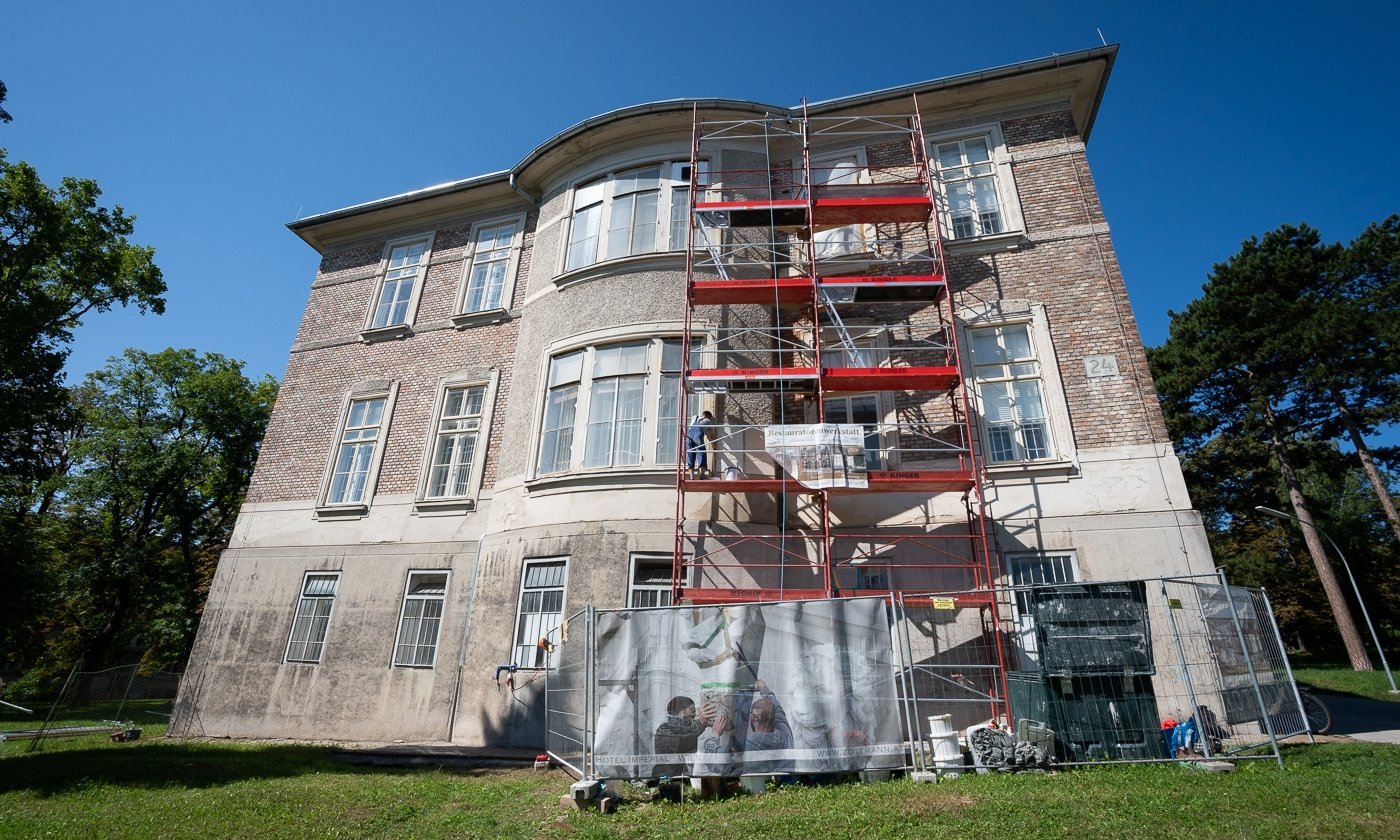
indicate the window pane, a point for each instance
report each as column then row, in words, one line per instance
column 583, row 237
column 602, row 405
column 556, row 444
column 566, row 368
column 1029, row 403
column 1002, row 440
column 644, row 224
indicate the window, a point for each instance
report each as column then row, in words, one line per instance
column 832, row 171
column 420, row 619
column 308, row 637
column 451, row 473
column 976, row 180
column 541, row 609
column 1010, row 390
column 651, row 581
column 489, row 277
column 356, row 452
column 398, row 284
column 865, row 410
column 630, row 212
column 626, row 397
column 1032, row 569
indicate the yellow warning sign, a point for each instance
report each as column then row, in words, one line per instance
column 1174, row 603
column 945, row 604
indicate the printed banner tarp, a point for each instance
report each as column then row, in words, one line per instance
column 821, row 454
column 791, row 687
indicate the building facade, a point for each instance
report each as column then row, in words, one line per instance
column 479, row 428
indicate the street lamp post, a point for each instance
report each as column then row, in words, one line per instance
column 1278, row 514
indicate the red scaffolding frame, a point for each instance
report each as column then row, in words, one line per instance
column 781, row 243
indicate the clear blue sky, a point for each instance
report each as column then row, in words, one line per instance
column 217, row 123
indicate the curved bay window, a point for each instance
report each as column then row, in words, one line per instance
column 612, row 406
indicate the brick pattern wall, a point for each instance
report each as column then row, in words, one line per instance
column 329, row 359
column 1069, row 267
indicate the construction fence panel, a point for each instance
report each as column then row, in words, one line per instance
column 762, row 688
column 120, row 702
column 1133, row 671
column 566, row 694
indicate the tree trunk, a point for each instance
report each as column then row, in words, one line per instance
column 95, row 653
column 1356, row 650
column 1369, row 465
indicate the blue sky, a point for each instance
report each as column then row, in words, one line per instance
column 217, row 123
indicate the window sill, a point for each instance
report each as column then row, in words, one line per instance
column 1025, row 473
column 462, row 320
column 621, row 265
column 393, row 331
column 443, row 507
column 336, row 512
column 656, row 477
column 1008, row 241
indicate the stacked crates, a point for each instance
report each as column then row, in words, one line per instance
column 1093, row 686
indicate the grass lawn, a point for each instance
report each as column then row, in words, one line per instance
column 1341, row 679
column 90, row 788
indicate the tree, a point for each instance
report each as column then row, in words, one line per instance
column 1244, row 360
column 4, row 115
column 1354, row 363
column 61, row 257
column 155, row 486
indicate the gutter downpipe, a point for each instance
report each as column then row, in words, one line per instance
column 519, row 190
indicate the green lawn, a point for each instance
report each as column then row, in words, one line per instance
column 90, row 788
column 1341, row 679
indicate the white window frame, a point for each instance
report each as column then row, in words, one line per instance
column 477, row 468
column 639, row 560
column 364, row 393
column 1033, row 371
column 303, row 600
column 527, row 650
column 653, row 431
column 422, row 603
column 888, row 455
column 374, row 330
column 462, row 316
column 606, row 192
column 1012, row 222
column 1065, row 560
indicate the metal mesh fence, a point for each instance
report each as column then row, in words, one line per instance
column 566, row 693
column 1007, row 678
column 118, row 702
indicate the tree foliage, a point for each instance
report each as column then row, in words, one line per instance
column 1288, row 350
column 157, row 477
column 62, row 256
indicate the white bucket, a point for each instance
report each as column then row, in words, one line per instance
column 754, row 782
column 947, row 754
column 731, row 473
column 940, row 724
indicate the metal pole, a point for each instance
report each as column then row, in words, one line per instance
column 906, row 682
column 1278, row 514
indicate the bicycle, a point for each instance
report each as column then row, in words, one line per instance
column 1315, row 712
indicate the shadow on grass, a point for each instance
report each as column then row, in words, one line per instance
column 157, row 764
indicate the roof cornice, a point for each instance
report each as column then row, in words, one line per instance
column 317, row 229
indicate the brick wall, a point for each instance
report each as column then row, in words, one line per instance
column 328, row 359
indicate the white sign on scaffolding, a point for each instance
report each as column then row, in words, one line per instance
column 820, row 455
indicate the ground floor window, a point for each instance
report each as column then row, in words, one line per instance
column 541, row 610
column 307, row 640
column 420, row 619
